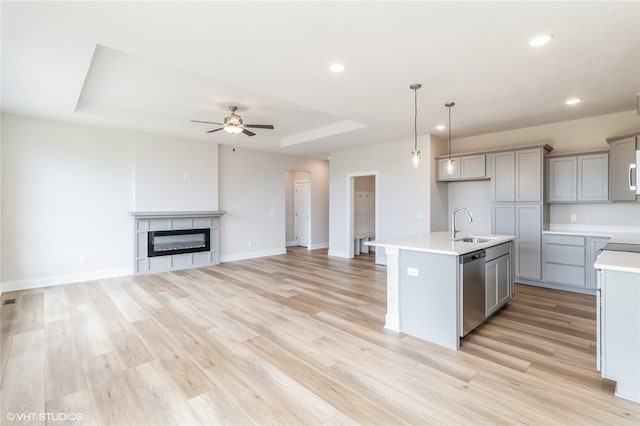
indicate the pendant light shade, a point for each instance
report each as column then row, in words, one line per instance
column 450, row 162
column 415, row 154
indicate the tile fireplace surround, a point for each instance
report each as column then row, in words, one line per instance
column 145, row 223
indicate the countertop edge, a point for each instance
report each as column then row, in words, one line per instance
column 458, row 251
column 618, row 261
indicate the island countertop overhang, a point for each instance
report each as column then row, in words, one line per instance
column 440, row 243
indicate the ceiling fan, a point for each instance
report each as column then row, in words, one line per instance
column 233, row 124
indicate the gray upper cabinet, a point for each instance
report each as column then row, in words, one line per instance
column 468, row 167
column 622, row 154
column 503, row 182
column 593, row 177
column 562, row 179
column 529, row 175
column 517, row 175
column 443, row 173
column 578, row 178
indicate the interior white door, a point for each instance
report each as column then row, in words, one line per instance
column 302, row 212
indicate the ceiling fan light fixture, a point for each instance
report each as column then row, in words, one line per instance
column 233, row 129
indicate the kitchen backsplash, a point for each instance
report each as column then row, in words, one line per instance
column 605, row 214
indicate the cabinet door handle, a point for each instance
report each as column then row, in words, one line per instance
column 632, row 187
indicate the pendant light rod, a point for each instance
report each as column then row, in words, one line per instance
column 449, row 105
column 415, row 154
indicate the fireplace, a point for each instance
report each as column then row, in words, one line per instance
column 165, row 243
column 169, row 241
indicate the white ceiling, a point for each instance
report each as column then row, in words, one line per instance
column 154, row 66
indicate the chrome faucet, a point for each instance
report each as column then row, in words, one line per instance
column 454, row 231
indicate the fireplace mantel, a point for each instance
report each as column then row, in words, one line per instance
column 165, row 214
column 147, row 224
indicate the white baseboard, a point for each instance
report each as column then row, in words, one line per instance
column 338, row 253
column 291, row 243
column 318, row 246
column 252, row 255
column 64, row 279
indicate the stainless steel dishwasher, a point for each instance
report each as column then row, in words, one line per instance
column 473, row 292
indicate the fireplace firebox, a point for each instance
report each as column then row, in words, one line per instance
column 164, row 243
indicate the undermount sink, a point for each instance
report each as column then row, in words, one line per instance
column 475, row 240
column 478, row 239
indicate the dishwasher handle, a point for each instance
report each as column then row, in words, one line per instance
column 470, row 257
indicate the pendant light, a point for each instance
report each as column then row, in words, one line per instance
column 415, row 154
column 450, row 162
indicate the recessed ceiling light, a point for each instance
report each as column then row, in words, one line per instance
column 573, row 101
column 539, row 40
column 337, row 67
column 441, row 127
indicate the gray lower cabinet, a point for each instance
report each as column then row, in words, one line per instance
column 594, row 245
column 568, row 259
column 564, row 260
column 525, row 222
column 497, row 278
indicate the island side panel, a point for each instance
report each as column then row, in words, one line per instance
column 429, row 297
column 392, row 318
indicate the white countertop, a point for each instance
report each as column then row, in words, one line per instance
column 618, row 234
column 439, row 242
column 619, row 261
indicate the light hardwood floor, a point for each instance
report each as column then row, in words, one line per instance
column 292, row 339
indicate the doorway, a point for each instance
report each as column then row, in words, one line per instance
column 362, row 206
column 302, row 212
column 298, row 208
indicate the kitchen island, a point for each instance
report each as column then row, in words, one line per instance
column 425, row 292
column 618, row 320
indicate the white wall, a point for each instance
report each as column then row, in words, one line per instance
column 570, row 136
column 175, row 175
column 403, row 205
column 252, row 192
column 66, row 191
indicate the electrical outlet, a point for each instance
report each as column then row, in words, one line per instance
column 573, row 218
column 420, row 215
column 412, row 272
column 250, row 243
column 83, row 260
column 186, row 176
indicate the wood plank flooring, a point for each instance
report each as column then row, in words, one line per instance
column 291, row 339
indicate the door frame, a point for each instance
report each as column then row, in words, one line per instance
column 350, row 192
column 295, row 205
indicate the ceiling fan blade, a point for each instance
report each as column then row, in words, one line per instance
column 208, row 122
column 259, row 126
column 248, row 133
column 214, row 130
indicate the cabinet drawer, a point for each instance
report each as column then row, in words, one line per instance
column 564, row 274
column 568, row 240
column 566, row 255
column 497, row 251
